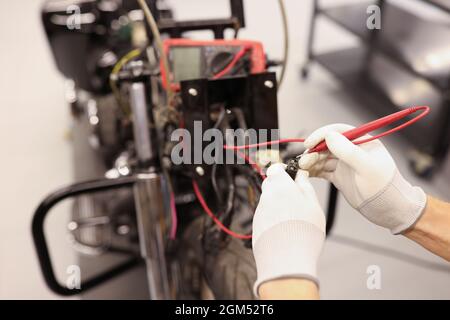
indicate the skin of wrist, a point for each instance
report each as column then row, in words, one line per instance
column 431, row 230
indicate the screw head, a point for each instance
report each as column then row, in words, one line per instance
column 268, row 84
column 123, row 229
column 200, row 171
column 72, row 226
column 193, row 92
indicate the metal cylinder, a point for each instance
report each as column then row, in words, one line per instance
column 141, row 129
column 150, row 211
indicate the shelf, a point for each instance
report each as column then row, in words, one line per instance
column 382, row 87
column 417, row 44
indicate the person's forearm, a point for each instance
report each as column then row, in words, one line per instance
column 289, row 289
column 432, row 230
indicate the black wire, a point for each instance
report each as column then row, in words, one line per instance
column 220, row 118
column 240, row 117
column 214, row 183
column 228, row 209
column 236, row 33
column 366, row 246
column 228, row 206
column 255, row 182
column 253, row 177
column 230, row 197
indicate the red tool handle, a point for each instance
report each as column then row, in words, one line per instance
column 377, row 124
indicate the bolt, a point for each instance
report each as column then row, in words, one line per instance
column 72, row 226
column 193, row 92
column 123, row 229
column 268, row 84
column 200, row 171
column 94, row 120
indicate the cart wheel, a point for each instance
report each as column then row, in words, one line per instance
column 422, row 164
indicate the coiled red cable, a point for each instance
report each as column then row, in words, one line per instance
column 351, row 135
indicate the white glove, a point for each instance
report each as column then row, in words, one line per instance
column 367, row 177
column 288, row 228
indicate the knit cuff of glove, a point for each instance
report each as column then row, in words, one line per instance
column 289, row 249
column 397, row 207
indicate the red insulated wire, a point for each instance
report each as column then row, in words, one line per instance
column 233, row 62
column 351, row 135
column 251, row 162
column 354, row 133
column 377, row 124
column 208, row 211
column 263, row 144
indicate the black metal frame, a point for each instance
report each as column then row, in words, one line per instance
column 247, row 92
column 237, row 20
column 40, row 241
column 256, row 96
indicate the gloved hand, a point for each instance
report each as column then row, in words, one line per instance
column 288, row 228
column 367, row 177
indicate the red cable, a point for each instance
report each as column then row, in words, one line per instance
column 377, row 124
column 251, row 162
column 351, row 135
column 263, row 144
column 233, row 62
column 208, row 211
